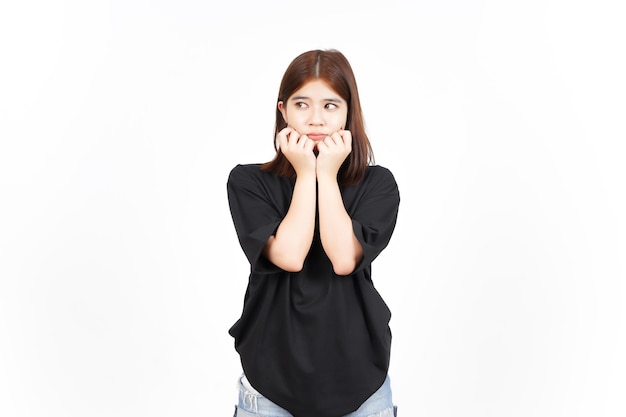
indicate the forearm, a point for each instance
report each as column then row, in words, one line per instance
column 289, row 247
column 336, row 233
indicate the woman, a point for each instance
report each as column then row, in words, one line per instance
column 314, row 337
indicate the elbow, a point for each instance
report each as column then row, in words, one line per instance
column 343, row 268
column 292, row 266
column 287, row 260
column 346, row 265
column 345, row 259
column 289, row 264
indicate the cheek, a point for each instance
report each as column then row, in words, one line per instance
column 342, row 120
column 295, row 119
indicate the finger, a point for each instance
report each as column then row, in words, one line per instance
column 333, row 141
column 304, row 140
column 282, row 137
column 346, row 135
column 293, row 137
column 309, row 145
column 336, row 138
column 322, row 144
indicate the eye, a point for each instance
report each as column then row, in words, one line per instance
column 301, row 105
column 331, row 106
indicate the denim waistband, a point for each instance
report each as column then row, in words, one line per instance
column 254, row 404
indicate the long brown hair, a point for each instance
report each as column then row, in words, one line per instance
column 332, row 67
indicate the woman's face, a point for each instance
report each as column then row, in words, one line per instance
column 315, row 110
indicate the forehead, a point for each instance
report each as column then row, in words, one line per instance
column 315, row 90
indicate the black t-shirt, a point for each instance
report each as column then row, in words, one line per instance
column 313, row 342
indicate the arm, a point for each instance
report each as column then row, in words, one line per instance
column 338, row 239
column 336, row 232
column 291, row 243
column 288, row 248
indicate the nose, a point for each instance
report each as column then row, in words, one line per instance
column 317, row 117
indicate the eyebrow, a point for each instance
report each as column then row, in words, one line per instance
column 333, row 100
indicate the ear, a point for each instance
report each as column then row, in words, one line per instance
column 283, row 111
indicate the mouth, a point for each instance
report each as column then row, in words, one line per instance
column 316, row 136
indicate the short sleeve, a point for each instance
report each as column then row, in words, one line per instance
column 374, row 218
column 254, row 214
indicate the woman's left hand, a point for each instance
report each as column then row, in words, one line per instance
column 332, row 151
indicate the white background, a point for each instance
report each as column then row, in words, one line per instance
column 120, row 272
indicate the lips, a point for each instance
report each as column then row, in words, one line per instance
column 316, row 136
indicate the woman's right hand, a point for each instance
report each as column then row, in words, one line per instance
column 298, row 149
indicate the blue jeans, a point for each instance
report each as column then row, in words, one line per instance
column 253, row 404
